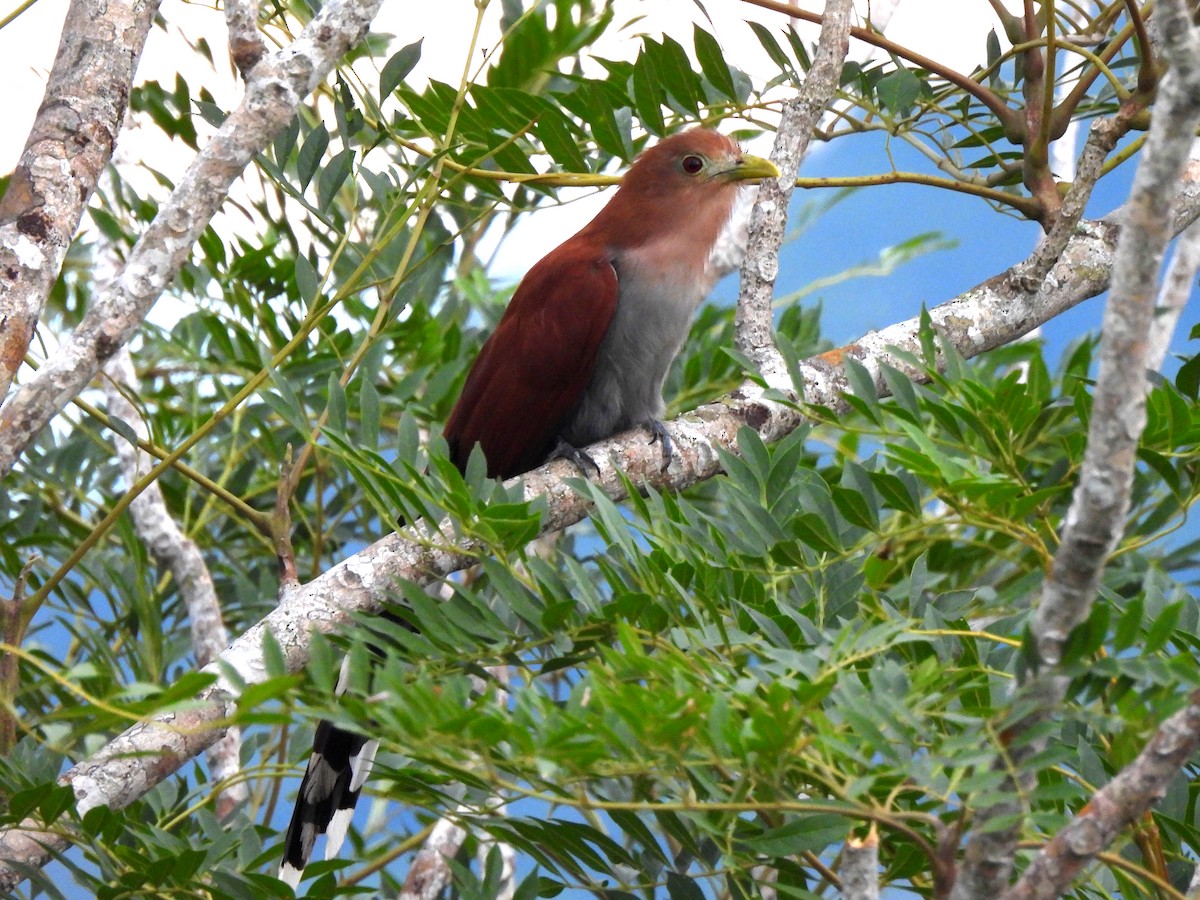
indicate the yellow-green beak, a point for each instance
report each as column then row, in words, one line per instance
column 752, row 169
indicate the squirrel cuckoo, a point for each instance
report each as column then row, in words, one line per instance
column 580, row 354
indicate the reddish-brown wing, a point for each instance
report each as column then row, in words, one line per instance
column 532, row 371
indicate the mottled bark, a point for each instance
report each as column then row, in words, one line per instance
column 1097, row 515
column 988, row 316
column 1174, row 295
column 429, row 875
column 69, row 145
column 246, row 45
column 1113, row 808
column 278, row 85
column 178, row 554
column 755, row 313
column 860, row 868
column 1095, row 520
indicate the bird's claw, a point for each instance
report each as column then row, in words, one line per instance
column 581, row 458
column 658, row 434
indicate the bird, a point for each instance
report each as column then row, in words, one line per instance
column 584, row 346
column 579, row 355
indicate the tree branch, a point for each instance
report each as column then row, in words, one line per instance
column 1116, row 805
column 246, row 46
column 276, row 88
column 178, row 554
column 1174, row 294
column 768, row 219
column 1100, row 502
column 69, row 145
column 860, row 867
column 1008, row 117
column 1097, row 515
column 429, row 875
column 988, row 316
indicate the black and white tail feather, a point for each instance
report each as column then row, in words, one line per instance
column 337, row 770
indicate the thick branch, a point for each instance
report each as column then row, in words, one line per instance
column 429, row 875
column 988, row 316
column 1102, row 138
column 1096, row 518
column 860, row 867
column 178, row 554
column 1117, row 805
column 278, row 85
column 246, row 45
column 768, row 220
column 68, row 147
column 1174, row 294
column 125, row 769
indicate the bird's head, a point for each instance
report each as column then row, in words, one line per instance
column 685, row 183
column 693, row 160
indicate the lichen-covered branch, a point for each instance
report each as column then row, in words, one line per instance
column 246, row 45
column 1174, row 294
column 768, row 220
column 178, row 554
column 273, row 95
column 68, row 147
column 988, row 316
column 1115, row 806
column 429, row 875
column 121, row 772
column 1095, row 520
column 860, row 867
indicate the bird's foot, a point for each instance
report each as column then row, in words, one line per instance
column 659, row 435
column 582, row 460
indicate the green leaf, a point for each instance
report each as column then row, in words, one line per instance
column 603, row 121
column 855, row 508
column 646, row 96
column 712, row 62
column 676, row 72
column 1187, row 379
column 369, row 412
column 898, row 91
column 333, row 176
column 806, row 833
column 211, row 113
column 680, row 887
column 308, row 283
column 396, row 69
column 285, row 142
column 993, row 57
column 554, row 131
column 273, row 658
column 772, row 47
column 311, row 152
column 1161, row 628
column 123, row 428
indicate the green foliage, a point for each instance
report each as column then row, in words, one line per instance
column 688, row 695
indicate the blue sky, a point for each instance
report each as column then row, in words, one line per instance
column 856, row 229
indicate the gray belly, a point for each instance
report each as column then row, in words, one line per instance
column 648, row 328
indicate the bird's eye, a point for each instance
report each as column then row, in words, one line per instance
column 692, row 165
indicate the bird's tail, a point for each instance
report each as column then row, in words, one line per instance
column 340, row 763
